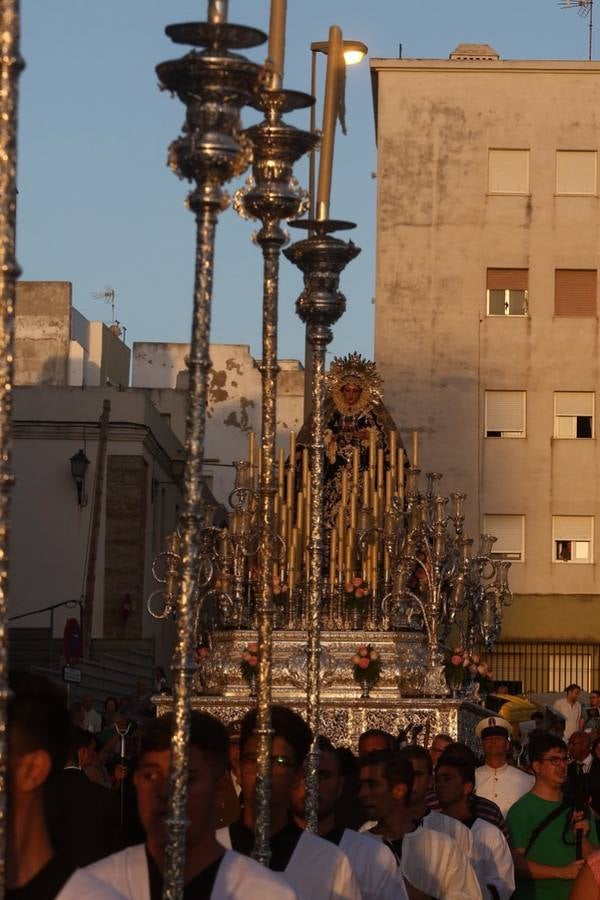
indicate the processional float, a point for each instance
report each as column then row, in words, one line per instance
column 313, row 535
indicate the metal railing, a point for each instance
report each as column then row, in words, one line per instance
column 546, row 666
column 68, row 604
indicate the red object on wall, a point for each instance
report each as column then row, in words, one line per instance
column 72, row 642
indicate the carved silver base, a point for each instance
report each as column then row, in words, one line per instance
column 344, row 722
column 404, row 671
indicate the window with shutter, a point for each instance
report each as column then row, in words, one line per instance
column 575, row 292
column 576, row 172
column 510, row 536
column 507, row 293
column 508, row 171
column 574, row 414
column 505, row 414
column 572, row 539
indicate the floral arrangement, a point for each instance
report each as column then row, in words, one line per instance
column 357, row 593
column 249, row 661
column 366, row 664
column 462, row 666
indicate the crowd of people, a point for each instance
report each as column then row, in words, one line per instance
column 88, row 804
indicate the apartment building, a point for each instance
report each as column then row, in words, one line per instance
column 487, row 310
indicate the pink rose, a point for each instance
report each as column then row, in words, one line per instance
column 362, row 650
column 245, row 656
column 374, row 655
column 253, row 661
column 359, row 592
column 357, row 581
column 363, row 663
column 356, row 659
column 253, row 647
column 456, row 660
column 349, row 587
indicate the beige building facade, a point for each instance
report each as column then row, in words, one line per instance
column 486, row 327
column 234, row 401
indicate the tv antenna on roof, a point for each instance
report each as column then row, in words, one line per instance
column 584, row 8
column 108, row 295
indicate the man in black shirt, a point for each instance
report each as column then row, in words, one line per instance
column 37, row 736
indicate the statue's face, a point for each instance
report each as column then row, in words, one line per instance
column 351, row 393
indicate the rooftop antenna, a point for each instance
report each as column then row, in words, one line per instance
column 584, row 8
column 108, row 295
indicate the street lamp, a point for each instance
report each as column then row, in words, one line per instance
column 354, row 52
column 79, row 464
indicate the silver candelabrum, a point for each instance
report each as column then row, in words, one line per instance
column 436, row 584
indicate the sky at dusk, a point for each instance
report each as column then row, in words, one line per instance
column 99, row 207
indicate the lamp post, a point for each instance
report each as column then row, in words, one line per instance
column 354, row 52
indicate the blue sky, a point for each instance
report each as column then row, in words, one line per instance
column 98, row 206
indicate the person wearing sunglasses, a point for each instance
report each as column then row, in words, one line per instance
column 550, row 838
column 315, row 868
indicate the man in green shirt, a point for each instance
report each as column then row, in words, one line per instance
column 544, row 829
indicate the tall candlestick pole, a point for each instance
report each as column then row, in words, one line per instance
column 274, row 195
column 11, row 65
column 321, row 259
column 210, row 158
column 335, row 60
column 277, row 40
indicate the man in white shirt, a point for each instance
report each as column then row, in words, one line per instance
column 570, row 708
column 373, row 863
column 430, row 861
column 490, row 855
column 92, row 720
column 315, row 868
column 210, row 871
column 496, row 779
column 422, row 767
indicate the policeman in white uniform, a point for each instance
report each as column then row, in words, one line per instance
column 496, row 779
